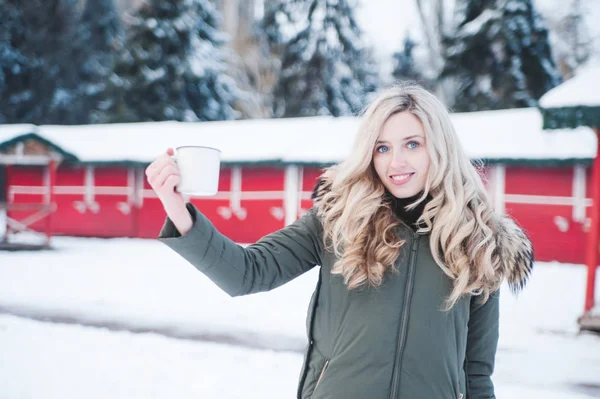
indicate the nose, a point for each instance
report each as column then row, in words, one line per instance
column 399, row 160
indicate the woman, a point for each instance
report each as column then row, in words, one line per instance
column 412, row 256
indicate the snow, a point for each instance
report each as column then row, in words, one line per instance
column 120, row 289
column 576, row 91
column 517, row 134
column 192, row 340
column 475, row 26
column 8, row 131
column 512, row 134
column 54, row 361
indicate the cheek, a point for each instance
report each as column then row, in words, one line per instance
column 424, row 162
column 426, row 166
column 380, row 166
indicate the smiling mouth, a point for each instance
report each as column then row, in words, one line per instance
column 401, row 179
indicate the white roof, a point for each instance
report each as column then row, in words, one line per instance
column 577, row 91
column 508, row 134
column 8, row 132
column 518, row 134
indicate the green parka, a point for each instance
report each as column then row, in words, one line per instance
column 390, row 342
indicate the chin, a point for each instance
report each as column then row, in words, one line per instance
column 403, row 192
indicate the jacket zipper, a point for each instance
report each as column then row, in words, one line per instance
column 321, row 375
column 403, row 325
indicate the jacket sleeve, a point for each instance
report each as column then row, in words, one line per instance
column 272, row 261
column 482, row 343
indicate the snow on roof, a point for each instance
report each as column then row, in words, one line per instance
column 269, row 140
column 518, row 134
column 507, row 134
column 8, row 132
column 577, row 91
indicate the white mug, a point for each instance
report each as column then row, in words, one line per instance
column 199, row 168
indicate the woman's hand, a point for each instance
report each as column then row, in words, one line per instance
column 163, row 176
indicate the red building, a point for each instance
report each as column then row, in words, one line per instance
column 89, row 180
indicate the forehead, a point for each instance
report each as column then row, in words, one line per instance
column 400, row 125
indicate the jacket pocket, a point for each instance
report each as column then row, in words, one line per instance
column 321, row 374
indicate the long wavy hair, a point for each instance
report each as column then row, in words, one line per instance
column 361, row 228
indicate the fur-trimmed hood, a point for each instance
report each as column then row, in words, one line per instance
column 516, row 252
column 514, row 247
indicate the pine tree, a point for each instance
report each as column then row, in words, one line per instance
column 98, row 40
column 38, row 81
column 14, row 66
column 500, row 55
column 326, row 69
column 172, row 66
column 404, row 65
column 571, row 34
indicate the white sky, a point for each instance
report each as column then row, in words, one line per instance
column 387, row 21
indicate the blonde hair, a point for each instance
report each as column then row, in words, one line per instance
column 360, row 226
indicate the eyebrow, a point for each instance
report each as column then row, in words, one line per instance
column 404, row 139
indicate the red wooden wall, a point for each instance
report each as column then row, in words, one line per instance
column 550, row 225
column 540, row 199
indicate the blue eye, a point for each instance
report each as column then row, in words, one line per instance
column 413, row 144
column 382, row 149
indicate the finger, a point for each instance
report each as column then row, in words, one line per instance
column 171, row 182
column 161, row 177
column 159, row 164
column 158, row 179
column 160, row 160
column 153, row 166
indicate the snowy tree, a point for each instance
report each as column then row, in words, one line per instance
column 404, row 62
column 38, row 79
column 255, row 69
column 326, row 69
column 14, row 66
column 98, row 40
column 499, row 55
column 173, row 65
column 570, row 33
column 436, row 22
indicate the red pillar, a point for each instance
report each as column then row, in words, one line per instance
column 593, row 242
column 52, row 165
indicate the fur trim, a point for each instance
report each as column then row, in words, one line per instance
column 320, row 189
column 515, row 251
column 513, row 246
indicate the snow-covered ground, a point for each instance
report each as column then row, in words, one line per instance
column 101, row 318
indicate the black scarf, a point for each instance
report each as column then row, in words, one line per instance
column 409, row 217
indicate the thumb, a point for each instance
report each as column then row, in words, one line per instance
column 170, row 151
